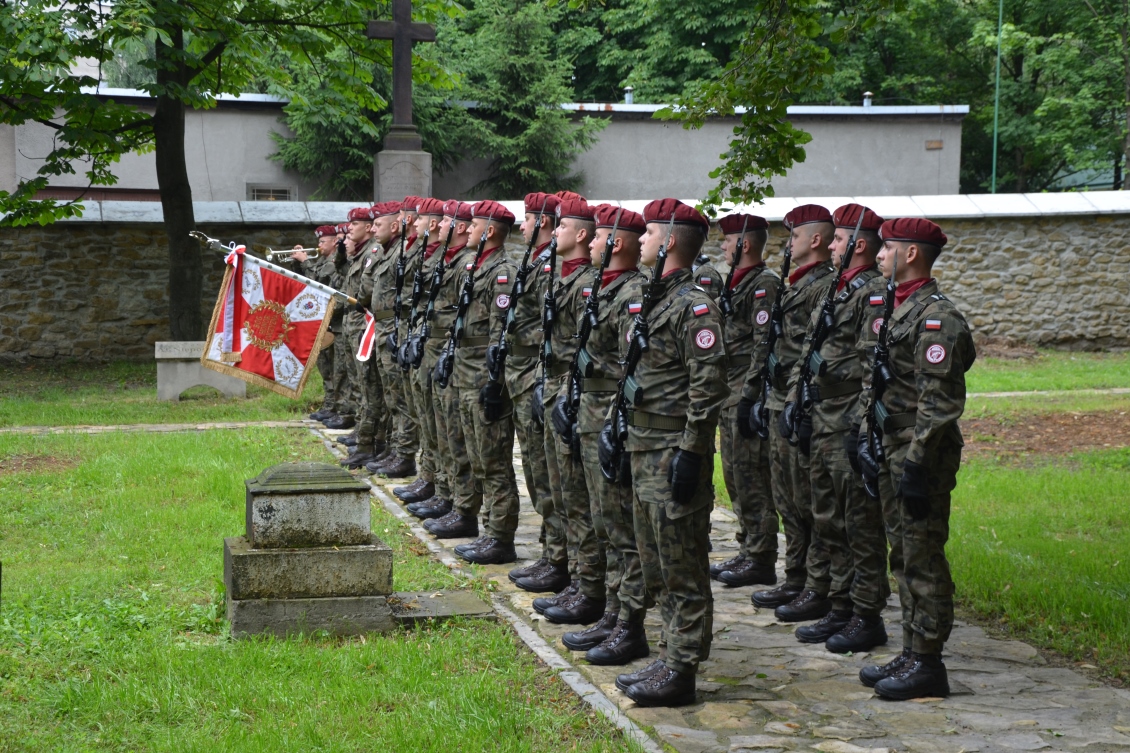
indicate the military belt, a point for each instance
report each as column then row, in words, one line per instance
column 380, row 316
column 599, row 385
column 523, row 351
column 901, row 420
column 560, row 369
column 839, row 389
column 642, row 420
column 474, row 342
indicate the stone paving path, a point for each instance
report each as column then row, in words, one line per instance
column 762, row 691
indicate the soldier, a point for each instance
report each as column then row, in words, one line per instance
column 745, row 302
column 320, row 268
column 523, row 345
column 344, row 389
column 810, row 228
column 618, row 637
column 930, row 349
column 844, row 518
column 583, row 603
column 682, row 377
column 707, row 276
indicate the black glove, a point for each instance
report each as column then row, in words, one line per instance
column 756, row 419
column 868, row 465
column 851, row 446
column 538, row 411
column 340, row 258
column 493, row 353
column 606, row 451
column 914, row 489
column 391, row 344
column 785, row 421
column 745, row 419
column 490, row 398
column 442, row 373
column 683, row 475
column 804, row 434
column 562, row 424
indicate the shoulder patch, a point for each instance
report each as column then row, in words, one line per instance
column 933, row 324
column 503, row 279
column 547, row 268
column 705, row 281
column 704, row 339
column 586, row 292
column 634, row 307
column 700, row 309
column 503, row 301
column 760, row 293
column 762, row 317
column 936, row 353
column 469, row 265
column 876, row 300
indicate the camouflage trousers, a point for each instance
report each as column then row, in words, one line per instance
column 851, row 526
column 745, row 470
column 531, row 443
column 571, row 501
column 490, row 447
column 674, row 542
column 325, row 365
column 371, row 428
column 792, row 496
column 345, row 391
column 420, row 392
column 395, row 407
column 453, row 449
column 918, row 549
column 614, row 525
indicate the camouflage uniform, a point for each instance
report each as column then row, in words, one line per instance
column 419, row 383
column 789, row 468
column 683, row 379
column 611, row 503
column 490, row 445
column 845, row 519
column 566, row 474
column 709, row 278
column 745, row 462
column 357, row 283
column 523, row 346
column 931, row 348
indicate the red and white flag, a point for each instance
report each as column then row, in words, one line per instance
column 267, row 327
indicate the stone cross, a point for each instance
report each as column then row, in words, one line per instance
column 403, row 33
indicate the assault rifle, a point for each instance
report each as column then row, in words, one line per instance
column 398, row 295
column 726, row 299
column 404, row 352
column 813, row 364
column 568, row 405
column 415, row 354
column 875, row 413
column 548, row 322
column 628, row 390
column 497, row 353
column 759, row 414
column 446, row 363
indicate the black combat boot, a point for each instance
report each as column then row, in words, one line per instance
column 580, row 610
column 383, row 453
column 591, row 637
column 550, row 579
column 340, row 422
column 808, row 606
column 718, row 568
column 627, row 680
column 545, row 602
column 349, row 440
column 829, row 625
column 524, row 570
column 436, row 507
column 860, row 634
column 664, row 688
column 775, row 597
column 417, row 491
column 453, row 525
column 397, row 466
column 461, row 548
column 491, row 552
column 627, row 643
column 360, row 456
column 922, row 676
column 872, row 674
column 321, row 415
column 748, row 573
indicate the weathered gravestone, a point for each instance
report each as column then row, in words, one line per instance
column 178, row 369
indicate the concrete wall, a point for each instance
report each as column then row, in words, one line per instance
column 1049, row 269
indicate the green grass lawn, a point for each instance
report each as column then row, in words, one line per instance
column 1050, row 370
column 112, row 634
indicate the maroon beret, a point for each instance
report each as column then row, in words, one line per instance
column 913, row 230
column 578, row 209
column 661, row 210
column 343, row 227
column 847, row 215
column 430, row 206
column 536, row 202
column 491, row 209
column 566, row 195
column 411, row 203
column 732, row 224
column 460, row 210
column 360, row 213
column 386, row 208
column 806, row 214
column 323, row 230
column 610, row 215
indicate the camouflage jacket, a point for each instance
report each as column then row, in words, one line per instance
column 447, row 301
column 428, row 266
column 570, row 294
column 524, row 342
column 357, row 280
column 383, row 299
column 797, row 303
column 619, row 302
column 836, row 393
column 931, row 348
column 746, row 329
column 485, row 318
column 682, row 374
column 707, row 277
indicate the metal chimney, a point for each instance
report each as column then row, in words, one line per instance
column 867, row 99
column 628, row 98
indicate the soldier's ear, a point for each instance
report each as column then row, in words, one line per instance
column 913, row 253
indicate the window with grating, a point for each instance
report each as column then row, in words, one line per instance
column 268, row 193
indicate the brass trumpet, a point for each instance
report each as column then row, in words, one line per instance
column 271, row 253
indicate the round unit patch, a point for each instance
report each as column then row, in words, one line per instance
column 762, row 317
column 503, row 301
column 877, row 324
column 704, row 339
column 935, row 354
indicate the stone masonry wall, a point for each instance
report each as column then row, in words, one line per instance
column 98, row 291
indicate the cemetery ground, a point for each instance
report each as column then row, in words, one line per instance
column 112, row 631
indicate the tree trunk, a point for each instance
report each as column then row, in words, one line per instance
column 186, row 271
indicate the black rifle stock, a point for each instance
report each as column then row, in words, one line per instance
column 496, row 361
column 433, row 292
column 548, row 323
column 768, row 369
column 881, row 376
column 398, row 291
column 405, row 354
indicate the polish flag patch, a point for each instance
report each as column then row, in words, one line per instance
column 469, row 265
column 876, row 300
column 547, row 268
column 705, row 281
column 503, row 279
column 635, row 308
column 933, row 324
column 586, row 292
column 759, row 293
column 701, row 309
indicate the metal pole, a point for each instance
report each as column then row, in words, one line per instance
column 997, row 95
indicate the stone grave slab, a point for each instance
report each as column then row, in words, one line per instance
column 420, row 606
column 338, row 615
column 311, row 572
column 307, row 505
column 178, row 369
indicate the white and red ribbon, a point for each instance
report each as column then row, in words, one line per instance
column 367, row 337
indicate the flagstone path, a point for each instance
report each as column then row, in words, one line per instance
column 763, row 691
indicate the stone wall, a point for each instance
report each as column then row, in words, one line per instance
column 98, row 291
